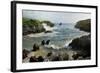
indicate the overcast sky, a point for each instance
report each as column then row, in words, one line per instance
column 56, row 17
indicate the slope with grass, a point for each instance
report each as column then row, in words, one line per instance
column 34, row 26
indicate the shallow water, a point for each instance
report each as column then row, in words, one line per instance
column 60, row 36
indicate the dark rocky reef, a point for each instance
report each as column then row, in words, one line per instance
column 84, row 25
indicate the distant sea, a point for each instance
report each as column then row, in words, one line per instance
column 60, row 36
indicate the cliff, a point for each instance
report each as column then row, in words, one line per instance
column 83, row 44
column 34, row 26
column 84, row 25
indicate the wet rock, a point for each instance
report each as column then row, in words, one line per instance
column 25, row 53
column 65, row 56
column 35, row 47
column 49, row 54
column 80, row 58
column 40, row 59
column 56, row 58
column 33, row 59
column 43, row 42
column 82, row 44
column 75, row 56
column 47, row 42
column 48, row 31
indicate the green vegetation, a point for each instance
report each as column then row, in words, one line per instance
column 34, row 26
column 31, row 22
column 84, row 25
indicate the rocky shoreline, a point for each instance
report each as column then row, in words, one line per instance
column 83, row 44
column 78, row 49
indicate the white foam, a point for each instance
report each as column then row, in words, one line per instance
column 47, row 28
column 68, row 42
column 53, row 46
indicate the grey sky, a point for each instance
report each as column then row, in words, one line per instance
column 56, row 17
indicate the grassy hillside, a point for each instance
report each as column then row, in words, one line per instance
column 34, row 26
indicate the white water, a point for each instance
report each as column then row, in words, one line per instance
column 43, row 34
column 47, row 28
column 68, row 42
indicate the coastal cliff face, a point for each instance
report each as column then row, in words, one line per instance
column 83, row 44
column 34, row 26
column 84, row 25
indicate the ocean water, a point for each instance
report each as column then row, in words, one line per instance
column 60, row 36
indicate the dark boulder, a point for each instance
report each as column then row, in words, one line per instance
column 35, row 47
column 33, row 59
column 56, row 58
column 49, row 54
column 83, row 44
column 40, row 59
column 47, row 42
column 43, row 42
column 75, row 56
column 65, row 56
column 25, row 53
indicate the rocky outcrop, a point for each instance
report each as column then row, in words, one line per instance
column 34, row 26
column 82, row 44
column 65, row 56
column 84, row 25
column 48, row 23
column 33, row 59
column 40, row 59
column 35, row 47
column 25, row 53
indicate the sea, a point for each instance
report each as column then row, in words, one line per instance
column 60, row 36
